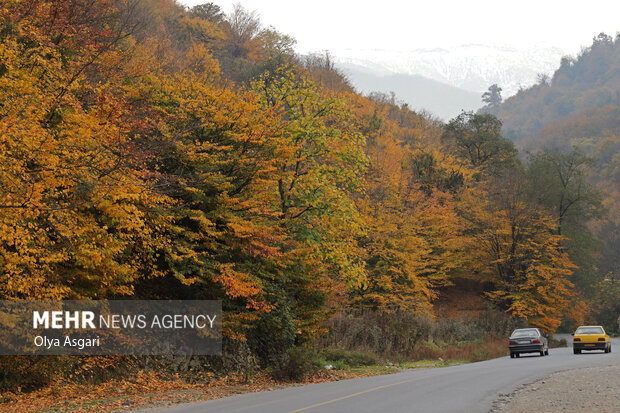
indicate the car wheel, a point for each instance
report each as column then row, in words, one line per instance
column 512, row 355
column 575, row 351
column 542, row 354
column 517, row 355
column 547, row 352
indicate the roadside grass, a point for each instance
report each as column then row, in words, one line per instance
column 433, row 363
column 400, row 336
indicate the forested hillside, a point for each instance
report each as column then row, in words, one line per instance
column 148, row 151
column 572, row 122
column 590, row 80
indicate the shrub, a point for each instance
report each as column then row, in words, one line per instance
column 410, row 336
column 272, row 335
column 341, row 357
column 296, row 365
column 382, row 334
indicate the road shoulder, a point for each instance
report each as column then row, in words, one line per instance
column 588, row 389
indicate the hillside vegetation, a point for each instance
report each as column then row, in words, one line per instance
column 591, row 80
column 572, row 122
column 148, row 151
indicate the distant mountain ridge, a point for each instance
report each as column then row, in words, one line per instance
column 420, row 93
column 447, row 81
column 472, row 67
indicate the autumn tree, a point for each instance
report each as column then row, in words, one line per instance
column 519, row 253
column 317, row 162
column 212, row 157
column 320, row 160
column 74, row 204
column 412, row 241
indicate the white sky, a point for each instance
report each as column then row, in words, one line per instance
column 404, row 25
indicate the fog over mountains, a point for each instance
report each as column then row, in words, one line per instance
column 447, row 80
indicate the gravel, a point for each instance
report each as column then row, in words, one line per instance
column 595, row 389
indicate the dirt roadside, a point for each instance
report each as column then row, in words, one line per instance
column 584, row 390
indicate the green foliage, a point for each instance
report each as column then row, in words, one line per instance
column 476, row 138
column 320, row 163
column 559, row 182
column 273, row 335
column 349, row 358
column 607, row 306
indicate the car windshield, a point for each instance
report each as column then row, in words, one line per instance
column 524, row 333
column 589, row 330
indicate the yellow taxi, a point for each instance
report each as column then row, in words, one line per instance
column 591, row 338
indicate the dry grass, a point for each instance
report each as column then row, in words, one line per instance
column 407, row 337
column 489, row 347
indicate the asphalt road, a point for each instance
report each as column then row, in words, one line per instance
column 465, row 388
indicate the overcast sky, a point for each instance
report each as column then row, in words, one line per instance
column 403, row 25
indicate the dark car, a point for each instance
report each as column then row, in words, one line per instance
column 527, row 340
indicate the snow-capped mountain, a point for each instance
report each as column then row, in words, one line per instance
column 420, row 93
column 471, row 67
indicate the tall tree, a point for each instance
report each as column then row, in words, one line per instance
column 559, row 182
column 75, row 206
column 477, row 139
column 414, row 234
column 492, row 99
column 519, row 253
column 208, row 11
column 243, row 27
